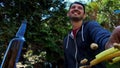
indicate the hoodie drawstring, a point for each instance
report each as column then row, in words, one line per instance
column 82, row 33
column 67, row 41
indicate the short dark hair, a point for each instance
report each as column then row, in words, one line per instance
column 79, row 4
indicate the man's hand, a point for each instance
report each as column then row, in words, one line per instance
column 114, row 38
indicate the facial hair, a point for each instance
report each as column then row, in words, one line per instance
column 76, row 19
column 75, row 15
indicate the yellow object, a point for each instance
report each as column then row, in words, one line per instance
column 104, row 58
column 82, row 67
column 85, row 66
column 112, row 53
column 114, row 60
column 93, row 46
column 107, row 52
column 116, row 45
column 84, row 61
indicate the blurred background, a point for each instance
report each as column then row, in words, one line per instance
column 47, row 25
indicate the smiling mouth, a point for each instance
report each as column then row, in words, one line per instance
column 75, row 12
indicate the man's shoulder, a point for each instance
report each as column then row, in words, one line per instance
column 65, row 37
column 91, row 23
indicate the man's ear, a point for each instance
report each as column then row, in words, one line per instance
column 68, row 14
column 84, row 16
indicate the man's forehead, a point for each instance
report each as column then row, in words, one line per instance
column 76, row 5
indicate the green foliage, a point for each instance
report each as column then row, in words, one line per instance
column 47, row 25
column 103, row 10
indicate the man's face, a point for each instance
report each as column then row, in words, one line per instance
column 76, row 12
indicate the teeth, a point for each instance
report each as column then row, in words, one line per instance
column 75, row 13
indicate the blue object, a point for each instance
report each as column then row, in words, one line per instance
column 14, row 48
column 116, row 11
column 76, row 49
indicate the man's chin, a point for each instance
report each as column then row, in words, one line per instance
column 76, row 19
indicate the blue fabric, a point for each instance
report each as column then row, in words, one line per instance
column 92, row 33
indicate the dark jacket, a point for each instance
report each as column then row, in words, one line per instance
column 76, row 49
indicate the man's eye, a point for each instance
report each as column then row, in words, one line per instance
column 73, row 7
column 79, row 7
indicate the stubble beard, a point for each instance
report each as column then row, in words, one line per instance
column 76, row 19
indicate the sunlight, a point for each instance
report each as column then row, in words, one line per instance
column 84, row 1
column 70, row 1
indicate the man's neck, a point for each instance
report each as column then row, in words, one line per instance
column 76, row 25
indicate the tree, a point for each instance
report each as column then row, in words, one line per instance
column 47, row 25
column 103, row 12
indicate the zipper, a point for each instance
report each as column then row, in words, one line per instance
column 67, row 41
column 76, row 53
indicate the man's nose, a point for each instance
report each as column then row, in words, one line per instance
column 76, row 7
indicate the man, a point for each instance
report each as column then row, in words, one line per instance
column 83, row 34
